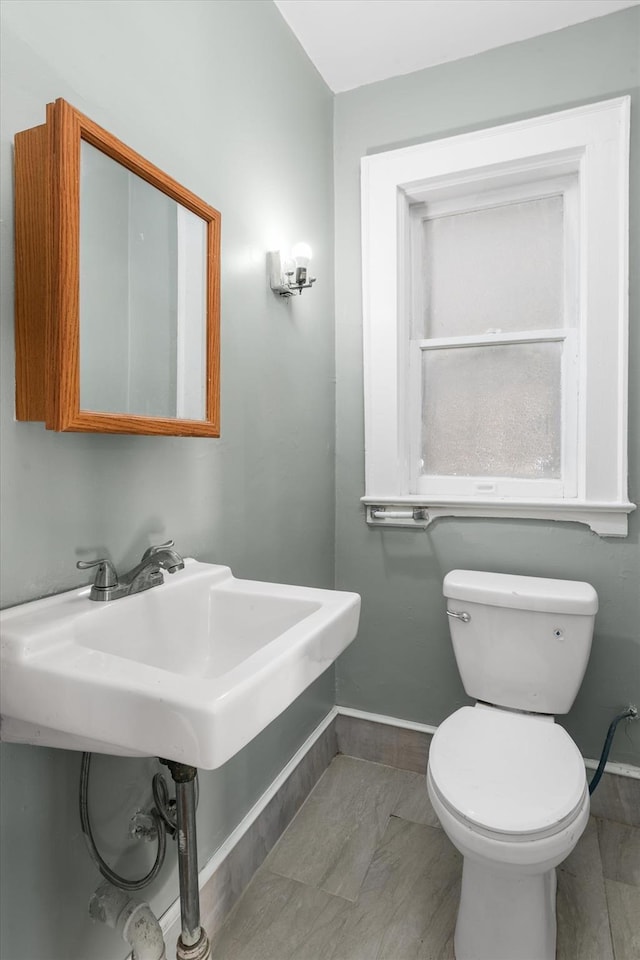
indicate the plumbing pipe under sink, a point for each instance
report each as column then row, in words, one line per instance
column 132, row 918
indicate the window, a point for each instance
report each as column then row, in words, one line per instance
column 493, row 347
column 495, row 323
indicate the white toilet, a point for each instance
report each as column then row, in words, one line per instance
column 507, row 783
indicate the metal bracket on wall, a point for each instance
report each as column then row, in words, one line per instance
column 392, row 516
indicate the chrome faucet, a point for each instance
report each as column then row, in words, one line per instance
column 146, row 574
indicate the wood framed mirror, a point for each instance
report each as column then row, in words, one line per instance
column 117, row 287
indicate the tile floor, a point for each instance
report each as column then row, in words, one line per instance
column 365, row 873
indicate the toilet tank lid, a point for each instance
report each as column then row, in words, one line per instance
column 521, row 593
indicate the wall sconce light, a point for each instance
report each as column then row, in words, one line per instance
column 290, row 275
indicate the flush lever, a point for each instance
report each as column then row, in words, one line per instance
column 465, row 617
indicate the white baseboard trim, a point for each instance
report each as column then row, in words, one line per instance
column 617, row 769
column 389, row 721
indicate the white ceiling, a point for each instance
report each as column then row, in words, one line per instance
column 353, row 42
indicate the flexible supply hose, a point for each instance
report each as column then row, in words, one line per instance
column 103, row 867
column 161, row 797
column 631, row 713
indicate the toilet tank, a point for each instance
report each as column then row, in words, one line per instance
column 526, row 641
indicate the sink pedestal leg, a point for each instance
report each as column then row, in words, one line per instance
column 193, row 943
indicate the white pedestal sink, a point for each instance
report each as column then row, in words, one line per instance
column 189, row 671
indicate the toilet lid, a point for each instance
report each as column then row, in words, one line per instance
column 506, row 772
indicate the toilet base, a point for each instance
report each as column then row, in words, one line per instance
column 504, row 915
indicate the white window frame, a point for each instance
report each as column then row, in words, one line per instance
column 589, row 146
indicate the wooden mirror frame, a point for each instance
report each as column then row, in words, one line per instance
column 47, row 263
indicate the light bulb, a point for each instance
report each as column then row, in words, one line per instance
column 301, row 254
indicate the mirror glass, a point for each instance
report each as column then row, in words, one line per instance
column 142, row 296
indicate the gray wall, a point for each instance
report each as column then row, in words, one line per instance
column 206, row 91
column 402, row 664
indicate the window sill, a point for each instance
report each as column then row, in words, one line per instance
column 607, row 519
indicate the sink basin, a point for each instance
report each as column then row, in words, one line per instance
column 190, row 670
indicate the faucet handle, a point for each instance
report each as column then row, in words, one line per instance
column 106, row 575
column 149, row 552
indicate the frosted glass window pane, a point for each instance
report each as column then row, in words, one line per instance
column 492, row 411
column 498, row 268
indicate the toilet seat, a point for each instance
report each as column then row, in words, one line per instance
column 507, row 775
